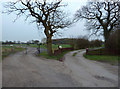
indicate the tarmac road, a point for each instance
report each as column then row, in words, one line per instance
column 27, row 70
column 91, row 73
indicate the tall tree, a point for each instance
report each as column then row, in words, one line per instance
column 47, row 14
column 100, row 17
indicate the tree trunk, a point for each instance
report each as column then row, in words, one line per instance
column 106, row 36
column 49, row 46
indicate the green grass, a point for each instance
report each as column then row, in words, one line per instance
column 103, row 45
column 56, row 57
column 54, row 47
column 35, row 45
column 113, row 60
column 74, row 54
column 44, row 54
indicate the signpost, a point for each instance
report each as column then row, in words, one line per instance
column 38, row 47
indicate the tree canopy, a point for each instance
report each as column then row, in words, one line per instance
column 47, row 14
column 100, row 16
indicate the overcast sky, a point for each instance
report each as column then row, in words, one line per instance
column 24, row 31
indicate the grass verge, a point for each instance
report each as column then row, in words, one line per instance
column 7, row 50
column 113, row 60
column 74, row 54
column 56, row 57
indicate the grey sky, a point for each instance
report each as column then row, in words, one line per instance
column 24, row 31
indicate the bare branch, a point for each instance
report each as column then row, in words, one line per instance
column 100, row 16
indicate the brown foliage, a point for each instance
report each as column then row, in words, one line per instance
column 82, row 43
column 95, row 43
column 113, row 43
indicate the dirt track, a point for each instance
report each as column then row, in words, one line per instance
column 27, row 70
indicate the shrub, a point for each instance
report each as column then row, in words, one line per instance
column 113, row 42
column 82, row 43
column 96, row 43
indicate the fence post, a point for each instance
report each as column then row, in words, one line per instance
column 86, row 50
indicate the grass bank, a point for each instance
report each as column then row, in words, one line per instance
column 113, row 60
column 56, row 57
column 103, row 55
column 7, row 50
column 55, row 47
column 75, row 53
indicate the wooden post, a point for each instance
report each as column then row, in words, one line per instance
column 86, row 51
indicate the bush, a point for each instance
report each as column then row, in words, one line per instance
column 96, row 43
column 82, row 43
column 113, row 43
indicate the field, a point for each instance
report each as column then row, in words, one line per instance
column 54, row 47
column 63, row 46
column 7, row 50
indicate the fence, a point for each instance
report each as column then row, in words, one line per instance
column 59, row 51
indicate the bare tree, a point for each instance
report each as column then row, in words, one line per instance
column 100, row 16
column 44, row 40
column 47, row 14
